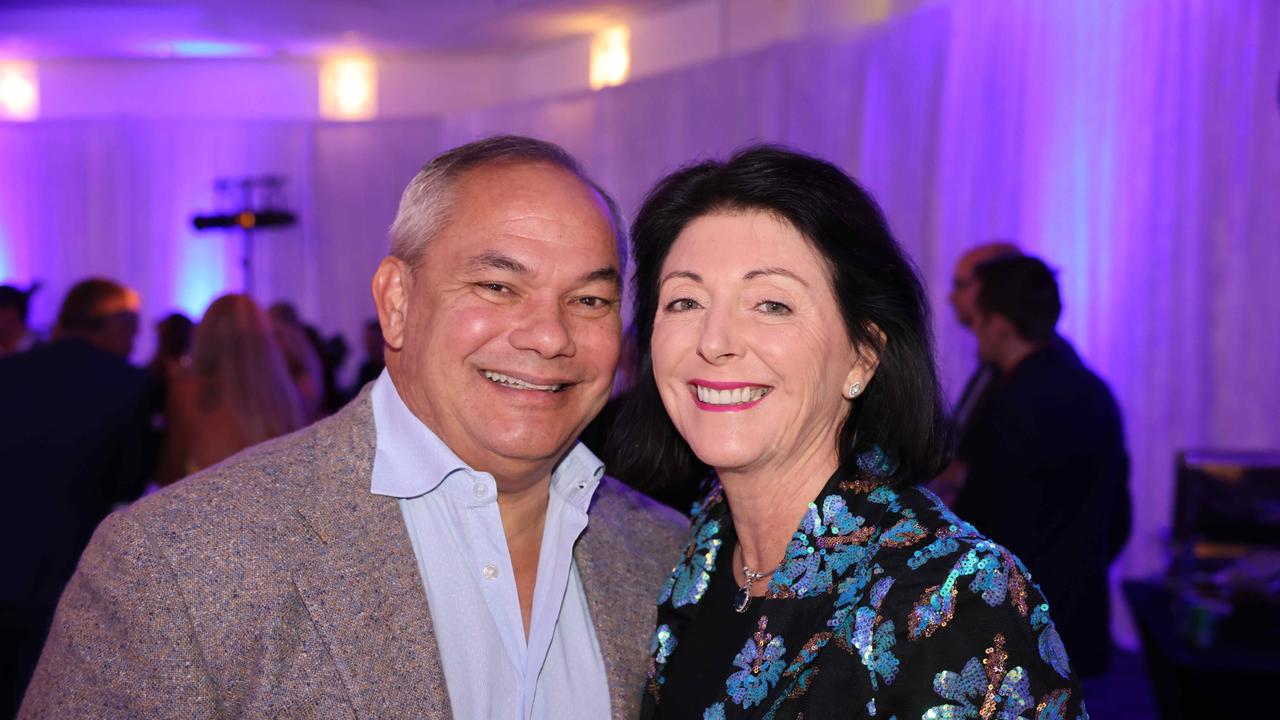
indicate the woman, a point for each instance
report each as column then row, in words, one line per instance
column 786, row 336
column 236, row 393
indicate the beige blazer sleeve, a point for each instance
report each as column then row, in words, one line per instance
column 121, row 644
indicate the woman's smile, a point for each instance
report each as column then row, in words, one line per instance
column 721, row 396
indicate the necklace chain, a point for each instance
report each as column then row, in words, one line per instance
column 742, row 599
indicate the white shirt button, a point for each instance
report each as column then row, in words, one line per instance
column 479, row 490
column 490, row 571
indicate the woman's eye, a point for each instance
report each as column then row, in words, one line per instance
column 773, row 307
column 681, row 305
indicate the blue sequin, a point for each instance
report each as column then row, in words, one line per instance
column 827, row 544
column 843, row 548
column 760, row 664
column 1053, row 652
column 689, row 580
column 663, row 644
column 875, row 461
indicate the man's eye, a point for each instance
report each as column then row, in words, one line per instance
column 681, row 305
column 773, row 307
column 494, row 287
column 592, row 301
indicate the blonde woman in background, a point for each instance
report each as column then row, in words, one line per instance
column 237, row 391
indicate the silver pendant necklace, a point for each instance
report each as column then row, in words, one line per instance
column 742, row 598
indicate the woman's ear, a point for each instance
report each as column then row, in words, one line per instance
column 865, row 362
column 392, row 282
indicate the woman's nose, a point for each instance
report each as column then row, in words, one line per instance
column 719, row 341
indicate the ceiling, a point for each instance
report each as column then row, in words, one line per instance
column 35, row 29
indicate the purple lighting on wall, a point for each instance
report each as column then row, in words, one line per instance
column 205, row 49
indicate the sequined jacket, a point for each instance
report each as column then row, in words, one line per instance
column 887, row 605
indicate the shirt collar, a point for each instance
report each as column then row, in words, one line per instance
column 411, row 460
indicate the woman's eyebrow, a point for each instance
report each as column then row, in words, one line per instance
column 681, row 274
column 763, row 272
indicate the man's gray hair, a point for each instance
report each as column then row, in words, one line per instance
column 428, row 200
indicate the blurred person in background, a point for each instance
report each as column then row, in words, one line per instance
column 173, row 346
column 963, row 299
column 373, row 363
column 237, row 391
column 303, row 359
column 172, row 356
column 74, row 426
column 1047, row 473
column 15, row 336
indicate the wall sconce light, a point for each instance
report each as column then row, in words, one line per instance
column 19, row 91
column 348, row 89
column 610, row 57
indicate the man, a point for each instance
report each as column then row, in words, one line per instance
column 1047, row 466
column 74, row 431
column 15, row 336
column 422, row 552
column 963, row 299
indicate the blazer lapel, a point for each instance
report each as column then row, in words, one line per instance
column 359, row 580
column 622, row 611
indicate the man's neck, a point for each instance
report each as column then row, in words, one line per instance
column 1014, row 353
column 524, row 513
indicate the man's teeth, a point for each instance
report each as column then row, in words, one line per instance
column 736, row 396
column 513, row 382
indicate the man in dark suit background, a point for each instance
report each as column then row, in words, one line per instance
column 1044, row 456
column 73, row 441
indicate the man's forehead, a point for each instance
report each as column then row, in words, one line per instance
column 530, row 181
column 532, row 213
column 535, row 258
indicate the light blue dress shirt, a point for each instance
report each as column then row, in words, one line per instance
column 451, row 513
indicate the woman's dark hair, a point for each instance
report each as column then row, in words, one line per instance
column 876, row 286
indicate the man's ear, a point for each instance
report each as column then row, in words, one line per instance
column 392, row 283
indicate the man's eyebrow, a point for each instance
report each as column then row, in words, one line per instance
column 681, row 274
column 763, row 272
column 604, row 274
column 492, row 260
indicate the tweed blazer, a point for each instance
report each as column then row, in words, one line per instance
column 276, row 585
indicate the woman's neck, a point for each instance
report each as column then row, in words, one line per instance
column 767, row 505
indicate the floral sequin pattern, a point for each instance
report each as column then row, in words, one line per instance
column 886, row 605
column 830, row 540
column 689, row 579
column 990, row 689
column 872, row 638
column 1048, row 642
column 997, row 576
column 985, row 688
column 660, row 649
column 760, row 664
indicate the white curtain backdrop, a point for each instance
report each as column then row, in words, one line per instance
column 1135, row 146
column 115, row 198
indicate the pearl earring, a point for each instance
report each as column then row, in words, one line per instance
column 854, row 389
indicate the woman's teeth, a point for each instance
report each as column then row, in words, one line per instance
column 736, row 396
column 512, row 382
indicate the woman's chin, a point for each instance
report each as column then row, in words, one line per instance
column 729, row 459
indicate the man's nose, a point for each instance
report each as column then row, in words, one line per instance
column 544, row 328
